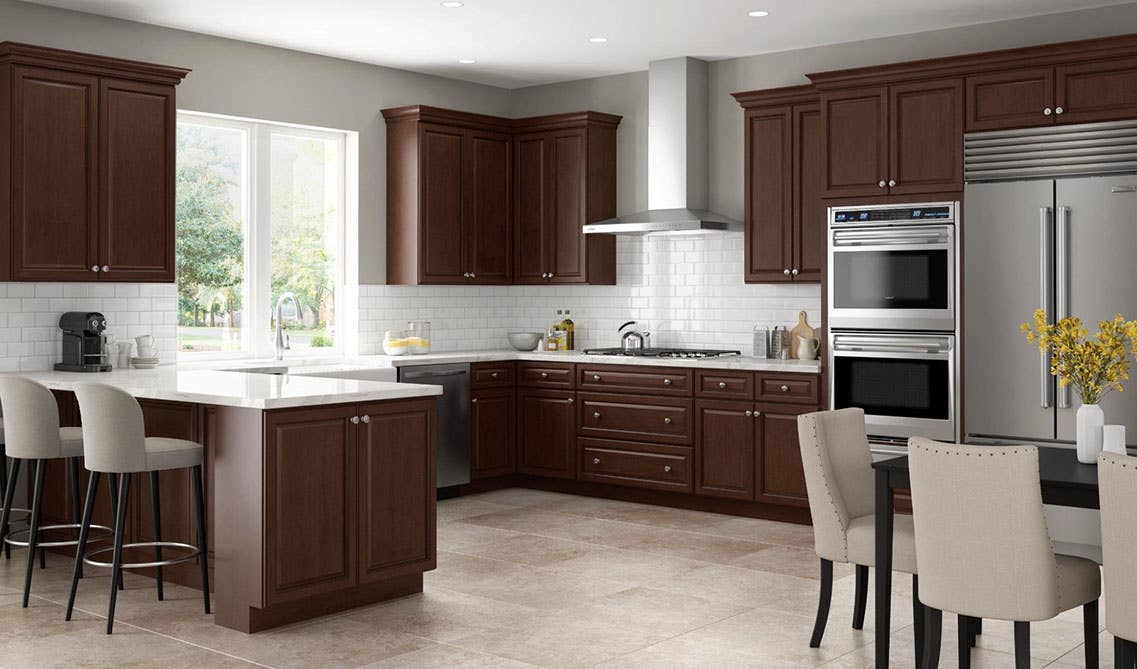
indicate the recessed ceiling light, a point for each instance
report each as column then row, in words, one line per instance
column 758, row 13
column 467, row 61
column 451, row 4
column 598, row 39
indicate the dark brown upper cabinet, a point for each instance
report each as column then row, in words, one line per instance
column 900, row 139
column 1076, row 92
column 565, row 177
column 87, row 175
column 785, row 216
column 475, row 199
column 449, row 219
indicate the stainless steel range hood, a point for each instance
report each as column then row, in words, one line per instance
column 678, row 157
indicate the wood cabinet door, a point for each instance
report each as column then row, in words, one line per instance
column 926, row 137
column 566, row 240
column 1098, row 91
column 1010, row 99
column 397, row 444
column 137, row 126
column 724, row 449
column 441, row 259
column 855, row 150
column 531, row 208
column 809, row 222
column 493, row 415
column 769, row 197
column 489, row 225
column 779, row 474
column 54, row 176
column 310, row 502
column 546, row 433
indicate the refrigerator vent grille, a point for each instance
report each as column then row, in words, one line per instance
column 1046, row 153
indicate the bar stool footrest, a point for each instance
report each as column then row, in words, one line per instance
column 107, row 533
column 193, row 553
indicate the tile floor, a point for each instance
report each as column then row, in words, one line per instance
column 528, row 578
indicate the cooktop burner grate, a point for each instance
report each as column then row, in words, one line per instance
column 682, row 353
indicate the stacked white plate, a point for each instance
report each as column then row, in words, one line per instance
column 144, row 363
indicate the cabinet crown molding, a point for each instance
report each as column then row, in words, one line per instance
column 17, row 53
column 786, row 95
column 1103, row 48
column 451, row 117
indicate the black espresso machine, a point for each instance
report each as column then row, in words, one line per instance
column 83, row 342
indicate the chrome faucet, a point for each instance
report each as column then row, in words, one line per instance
column 281, row 338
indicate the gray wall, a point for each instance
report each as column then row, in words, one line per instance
column 627, row 94
column 244, row 79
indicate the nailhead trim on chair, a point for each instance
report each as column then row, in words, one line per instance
column 829, row 491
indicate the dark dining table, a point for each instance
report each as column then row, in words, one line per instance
column 1064, row 482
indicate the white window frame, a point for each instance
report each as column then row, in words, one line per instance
column 256, row 334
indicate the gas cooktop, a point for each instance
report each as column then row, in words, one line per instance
column 694, row 353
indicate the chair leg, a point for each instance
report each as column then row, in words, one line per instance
column 33, row 530
column 156, row 507
column 974, row 625
column 964, row 638
column 112, row 490
column 861, row 597
column 1130, row 654
column 1090, row 630
column 202, row 534
column 918, row 617
column 1022, row 645
column 4, row 480
column 119, row 532
column 823, row 601
column 934, row 623
column 9, row 497
column 81, row 547
column 76, row 500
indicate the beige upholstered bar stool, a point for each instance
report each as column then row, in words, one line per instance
column 984, row 548
column 839, row 482
column 115, row 442
column 1117, row 481
column 32, row 434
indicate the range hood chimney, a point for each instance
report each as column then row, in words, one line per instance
column 678, row 156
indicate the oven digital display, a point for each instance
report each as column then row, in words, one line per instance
column 906, row 214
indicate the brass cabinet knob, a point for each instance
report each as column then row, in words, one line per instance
column 882, row 183
column 749, row 413
column 794, row 271
column 366, row 419
column 551, row 275
column 544, row 375
column 595, row 377
column 94, row 268
column 354, row 420
column 1058, row 110
column 784, row 388
column 493, row 375
column 474, row 401
column 722, row 385
column 786, row 272
column 1046, row 112
column 667, row 468
column 757, row 414
column 667, row 382
column 595, row 461
column 570, row 400
column 596, row 414
column 891, row 183
column 667, row 421
column 106, row 268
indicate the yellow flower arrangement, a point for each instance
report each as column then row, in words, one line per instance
column 1093, row 365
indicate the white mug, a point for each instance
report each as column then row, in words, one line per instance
column 1113, row 439
column 145, row 340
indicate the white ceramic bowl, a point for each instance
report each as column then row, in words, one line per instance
column 524, row 341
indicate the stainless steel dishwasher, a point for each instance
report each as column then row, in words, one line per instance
column 453, row 417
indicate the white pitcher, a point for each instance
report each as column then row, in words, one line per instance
column 807, row 348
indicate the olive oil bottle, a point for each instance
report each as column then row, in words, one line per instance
column 570, row 331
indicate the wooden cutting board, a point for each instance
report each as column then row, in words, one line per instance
column 802, row 329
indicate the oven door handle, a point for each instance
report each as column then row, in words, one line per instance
column 891, row 237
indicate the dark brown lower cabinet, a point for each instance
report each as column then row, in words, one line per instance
column 546, row 433
column 493, row 450
column 779, row 475
column 724, row 448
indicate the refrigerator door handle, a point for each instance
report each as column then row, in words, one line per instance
column 1062, row 280
column 1046, row 260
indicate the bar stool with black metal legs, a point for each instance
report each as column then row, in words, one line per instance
column 115, row 442
column 32, row 433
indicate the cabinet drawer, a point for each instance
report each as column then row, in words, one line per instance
column 638, row 465
column 545, row 375
column 724, row 385
column 491, row 375
column 791, row 388
column 654, row 380
column 638, row 418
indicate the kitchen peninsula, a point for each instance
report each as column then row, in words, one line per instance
column 321, row 492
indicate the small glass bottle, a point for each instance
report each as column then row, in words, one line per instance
column 570, row 331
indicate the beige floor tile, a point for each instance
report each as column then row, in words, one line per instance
column 458, row 508
column 1077, row 656
column 522, row 520
column 789, row 560
column 523, row 497
column 537, row 551
column 442, row 615
column 603, row 532
column 457, row 536
column 744, row 587
column 452, row 657
column 705, row 547
column 765, row 531
column 627, row 566
column 661, row 611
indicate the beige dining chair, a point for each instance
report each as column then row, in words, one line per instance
column 1117, row 481
column 984, row 548
column 839, row 482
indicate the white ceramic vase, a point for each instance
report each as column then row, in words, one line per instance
column 1091, row 419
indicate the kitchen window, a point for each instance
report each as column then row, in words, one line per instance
column 260, row 221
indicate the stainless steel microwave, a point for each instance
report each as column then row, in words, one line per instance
column 893, row 267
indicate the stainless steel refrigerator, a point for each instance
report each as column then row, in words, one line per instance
column 1068, row 245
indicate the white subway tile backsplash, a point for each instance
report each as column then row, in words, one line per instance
column 688, row 292
column 29, row 317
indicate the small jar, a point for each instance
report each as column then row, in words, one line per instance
column 418, row 337
column 395, row 342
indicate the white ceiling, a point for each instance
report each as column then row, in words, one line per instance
column 524, row 42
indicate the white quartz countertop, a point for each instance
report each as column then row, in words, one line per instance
column 236, row 388
column 743, row 363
